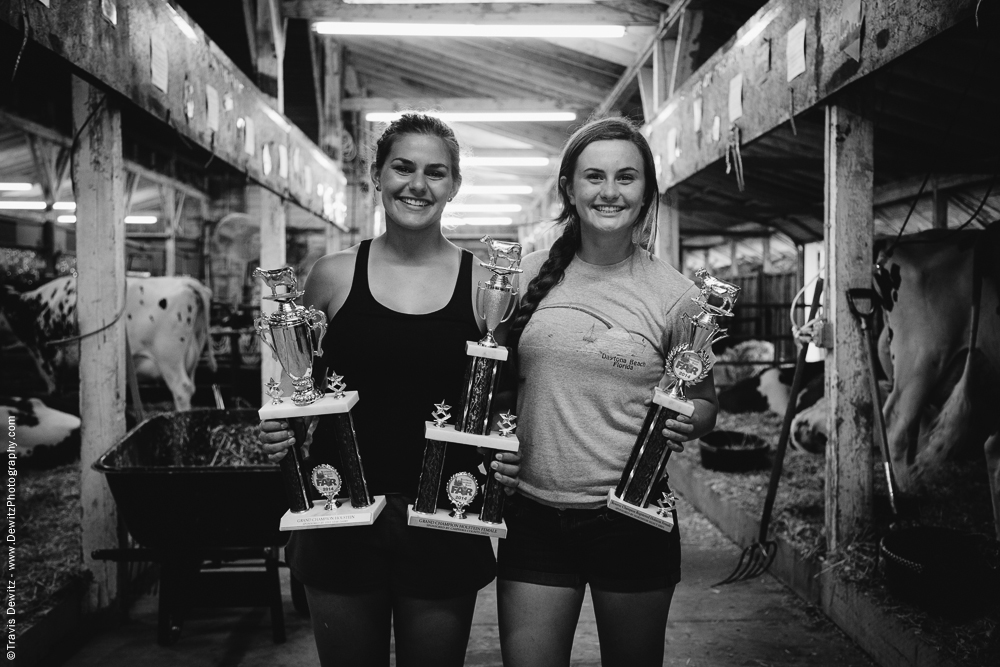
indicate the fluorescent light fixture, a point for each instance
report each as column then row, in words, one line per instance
column 497, row 189
column 759, row 26
column 64, row 206
column 68, row 219
column 276, row 117
column 468, row 30
column 478, row 221
column 22, row 205
column 480, row 116
column 505, row 162
column 182, row 24
column 15, row 187
column 140, row 219
column 483, row 208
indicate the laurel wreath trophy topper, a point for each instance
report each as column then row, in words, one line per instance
column 687, row 364
column 295, row 335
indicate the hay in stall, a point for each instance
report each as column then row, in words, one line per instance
column 957, row 497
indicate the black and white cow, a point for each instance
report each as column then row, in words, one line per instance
column 44, row 437
column 167, row 320
column 941, row 296
column 770, row 390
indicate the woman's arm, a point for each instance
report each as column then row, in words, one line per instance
column 706, row 410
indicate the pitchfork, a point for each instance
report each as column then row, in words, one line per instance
column 757, row 557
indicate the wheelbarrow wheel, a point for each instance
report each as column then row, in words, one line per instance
column 299, row 600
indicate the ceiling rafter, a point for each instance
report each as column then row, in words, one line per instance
column 615, row 13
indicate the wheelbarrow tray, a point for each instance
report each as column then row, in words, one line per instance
column 170, row 505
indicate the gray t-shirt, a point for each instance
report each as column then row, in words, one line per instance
column 590, row 355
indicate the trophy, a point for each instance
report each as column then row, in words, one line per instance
column 495, row 304
column 687, row 364
column 296, row 334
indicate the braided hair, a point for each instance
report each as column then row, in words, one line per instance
column 418, row 123
column 564, row 249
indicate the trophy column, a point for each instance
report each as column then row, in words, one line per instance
column 495, row 302
column 296, row 334
column 687, row 364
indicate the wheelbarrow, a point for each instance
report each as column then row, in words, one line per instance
column 201, row 521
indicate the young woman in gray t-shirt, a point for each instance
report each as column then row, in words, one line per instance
column 598, row 314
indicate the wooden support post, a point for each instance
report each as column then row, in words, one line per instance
column 663, row 69
column 849, row 228
column 734, row 264
column 688, row 38
column 270, row 54
column 98, row 184
column 172, row 202
column 269, row 208
column 328, row 78
column 940, row 219
column 646, row 92
column 668, row 243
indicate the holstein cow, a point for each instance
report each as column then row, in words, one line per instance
column 940, row 295
column 44, row 437
column 769, row 391
column 166, row 319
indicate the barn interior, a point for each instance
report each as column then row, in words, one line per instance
column 888, row 128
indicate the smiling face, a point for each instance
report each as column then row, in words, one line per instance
column 417, row 180
column 607, row 187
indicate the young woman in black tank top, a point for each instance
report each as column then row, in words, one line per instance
column 400, row 309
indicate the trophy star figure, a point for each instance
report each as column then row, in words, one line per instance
column 335, row 383
column 274, row 391
column 441, row 414
column 667, row 503
column 506, row 424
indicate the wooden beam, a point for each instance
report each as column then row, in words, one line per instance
column 828, row 70
column 122, row 64
column 455, row 104
column 668, row 236
column 98, row 184
column 907, row 189
column 616, row 13
column 270, row 55
column 688, row 37
column 328, row 73
column 269, row 209
column 664, row 51
column 849, row 232
column 667, row 24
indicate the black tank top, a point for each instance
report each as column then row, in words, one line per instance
column 400, row 365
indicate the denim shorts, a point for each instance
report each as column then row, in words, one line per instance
column 572, row 547
column 406, row 560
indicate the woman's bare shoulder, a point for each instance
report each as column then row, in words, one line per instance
column 330, row 280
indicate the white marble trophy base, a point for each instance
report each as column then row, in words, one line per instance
column 648, row 515
column 665, row 400
column 328, row 405
column 441, row 520
column 447, row 433
column 345, row 515
column 476, row 350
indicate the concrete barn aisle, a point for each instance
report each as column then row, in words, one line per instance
column 750, row 624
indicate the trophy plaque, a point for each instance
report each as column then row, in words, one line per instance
column 295, row 337
column 494, row 303
column 688, row 363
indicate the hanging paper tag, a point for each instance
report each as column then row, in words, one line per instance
column 109, row 8
column 158, row 63
column 735, row 97
column 795, row 50
column 851, row 17
column 212, row 108
column 282, row 160
column 696, row 114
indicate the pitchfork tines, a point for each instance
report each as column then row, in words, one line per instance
column 753, row 562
